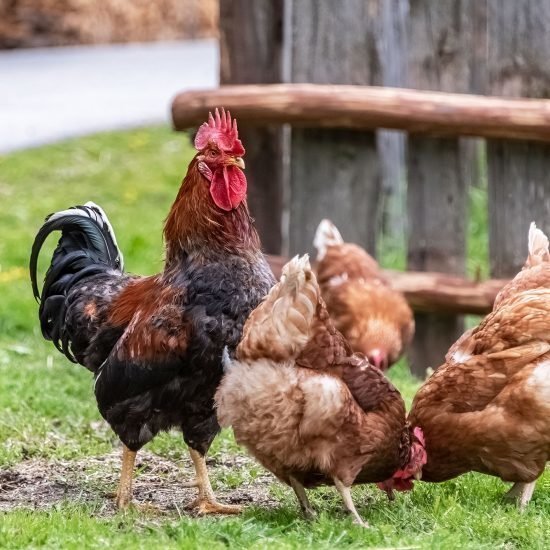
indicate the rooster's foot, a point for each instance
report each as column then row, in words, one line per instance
column 206, row 506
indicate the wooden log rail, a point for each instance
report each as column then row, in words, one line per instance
column 434, row 292
column 368, row 108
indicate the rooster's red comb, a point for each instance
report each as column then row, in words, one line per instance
column 221, row 131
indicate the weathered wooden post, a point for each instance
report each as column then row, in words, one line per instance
column 440, row 35
column 391, row 38
column 518, row 171
column 250, row 52
column 334, row 172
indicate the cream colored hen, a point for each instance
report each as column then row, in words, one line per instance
column 308, row 408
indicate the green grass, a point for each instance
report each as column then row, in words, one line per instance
column 48, row 409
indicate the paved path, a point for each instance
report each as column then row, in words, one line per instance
column 54, row 93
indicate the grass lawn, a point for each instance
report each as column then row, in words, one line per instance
column 53, row 438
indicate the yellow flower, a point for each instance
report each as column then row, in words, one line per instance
column 13, row 274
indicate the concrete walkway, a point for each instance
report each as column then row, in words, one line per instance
column 54, row 93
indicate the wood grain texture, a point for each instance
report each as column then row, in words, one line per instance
column 333, row 172
column 391, row 43
column 433, row 292
column 250, row 52
column 440, row 37
column 518, row 173
column 370, row 107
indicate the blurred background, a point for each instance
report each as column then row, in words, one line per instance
column 46, row 23
column 86, row 89
column 73, row 67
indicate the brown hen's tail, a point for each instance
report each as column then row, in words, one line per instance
column 538, row 247
column 327, row 234
column 280, row 326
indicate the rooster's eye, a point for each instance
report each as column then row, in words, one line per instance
column 213, row 154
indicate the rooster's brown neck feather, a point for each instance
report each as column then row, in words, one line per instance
column 196, row 226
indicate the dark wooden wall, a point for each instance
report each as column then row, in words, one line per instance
column 440, row 39
column 334, row 173
column 480, row 46
column 518, row 172
column 251, row 53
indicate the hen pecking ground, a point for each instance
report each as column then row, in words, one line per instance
column 58, row 459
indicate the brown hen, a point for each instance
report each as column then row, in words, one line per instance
column 487, row 409
column 375, row 319
column 308, row 408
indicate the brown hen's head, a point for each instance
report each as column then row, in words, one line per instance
column 378, row 358
column 402, row 479
column 220, row 160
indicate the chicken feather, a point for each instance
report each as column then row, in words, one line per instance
column 374, row 318
column 487, row 409
column 303, row 404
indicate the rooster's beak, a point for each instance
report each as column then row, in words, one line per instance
column 237, row 161
column 418, row 476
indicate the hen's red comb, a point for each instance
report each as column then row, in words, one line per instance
column 222, row 132
column 419, row 434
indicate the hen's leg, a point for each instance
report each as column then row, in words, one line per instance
column 305, row 505
column 124, row 491
column 522, row 493
column 345, row 492
column 206, row 500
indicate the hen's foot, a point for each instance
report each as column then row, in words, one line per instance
column 345, row 493
column 305, row 505
column 521, row 493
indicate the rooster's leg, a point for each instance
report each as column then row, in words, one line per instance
column 522, row 493
column 301, row 494
column 206, row 501
column 345, row 492
column 124, row 491
column 189, row 484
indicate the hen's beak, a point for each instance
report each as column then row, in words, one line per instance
column 418, row 476
column 237, row 161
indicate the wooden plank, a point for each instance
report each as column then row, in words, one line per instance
column 333, row 172
column 518, row 173
column 440, row 36
column 442, row 293
column 432, row 292
column 370, row 107
column 250, row 52
column 391, row 39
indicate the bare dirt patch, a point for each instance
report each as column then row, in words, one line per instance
column 42, row 484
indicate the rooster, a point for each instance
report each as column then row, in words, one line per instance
column 155, row 343
column 487, row 409
column 309, row 409
column 375, row 319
